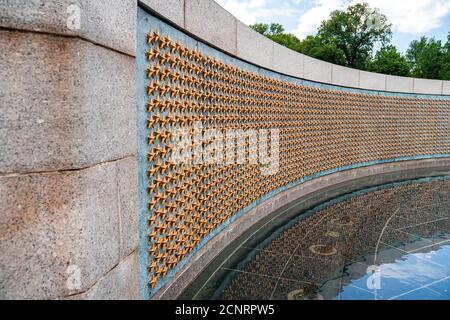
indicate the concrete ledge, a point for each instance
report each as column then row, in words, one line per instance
column 287, row 59
column 343, row 76
column 446, row 87
column 111, row 23
column 254, row 47
column 372, row 81
column 317, row 70
column 427, row 86
column 382, row 173
column 67, row 103
column 209, row 21
column 172, row 10
column 399, row 84
column 52, row 222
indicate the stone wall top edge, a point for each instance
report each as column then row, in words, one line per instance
column 371, row 81
column 111, row 24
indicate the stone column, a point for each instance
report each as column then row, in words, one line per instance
column 68, row 175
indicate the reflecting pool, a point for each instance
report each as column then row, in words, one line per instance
column 385, row 242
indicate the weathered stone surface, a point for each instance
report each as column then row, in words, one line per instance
column 446, row 88
column 121, row 283
column 111, row 23
column 428, row 86
column 345, row 76
column 254, row 47
column 287, row 61
column 66, row 103
column 371, row 80
column 127, row 184
column 56, row 226
column 317, row 70
column 172, row 10
column 209, row 21
column 399, row 84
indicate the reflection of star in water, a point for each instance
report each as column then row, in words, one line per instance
column 304, row 294
column 323, row 250
column 342, row 221
column 333, row 234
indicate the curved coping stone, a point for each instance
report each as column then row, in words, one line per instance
column 208, row 21
column 326, row 187
column 108, row 23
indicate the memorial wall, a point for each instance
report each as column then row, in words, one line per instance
column 140, row 138
column 243, row 133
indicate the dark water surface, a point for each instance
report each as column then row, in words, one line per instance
column 385, row 242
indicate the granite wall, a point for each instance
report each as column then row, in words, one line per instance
column 68, row 169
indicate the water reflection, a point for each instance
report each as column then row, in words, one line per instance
column 388, row 242
column 412, row 276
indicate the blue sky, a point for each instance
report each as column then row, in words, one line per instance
column 410, row 19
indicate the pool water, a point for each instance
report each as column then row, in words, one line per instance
column 424, row 275
column 385, row 242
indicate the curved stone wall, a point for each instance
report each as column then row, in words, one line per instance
column 323, row 128
column 87, row 124
column 209, row 22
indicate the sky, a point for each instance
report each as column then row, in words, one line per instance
column 410, row 19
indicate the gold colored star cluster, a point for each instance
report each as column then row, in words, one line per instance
column 320, row 129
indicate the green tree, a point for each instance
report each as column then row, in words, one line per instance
column 348, row 38
column 313, row 46
column 275, row 32
column 354, row 33
column 388, row 60
column 276, row 29
column 287, row 40
column 268, row 29
column 426, row 57
column 445, row 69
column 262, row 28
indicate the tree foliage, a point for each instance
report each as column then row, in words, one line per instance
column 287, row 40
column 265, row 29
column 429, row 58
column 354, row 33
column 313, row 46
column 348, row 38
column 389, row 61
column 275, row 32
column 445, row 68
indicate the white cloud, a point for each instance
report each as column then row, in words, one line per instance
column 251, row 11
column 256, row 3
column 311, row 19
column 413, row 17
column 244, row 10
